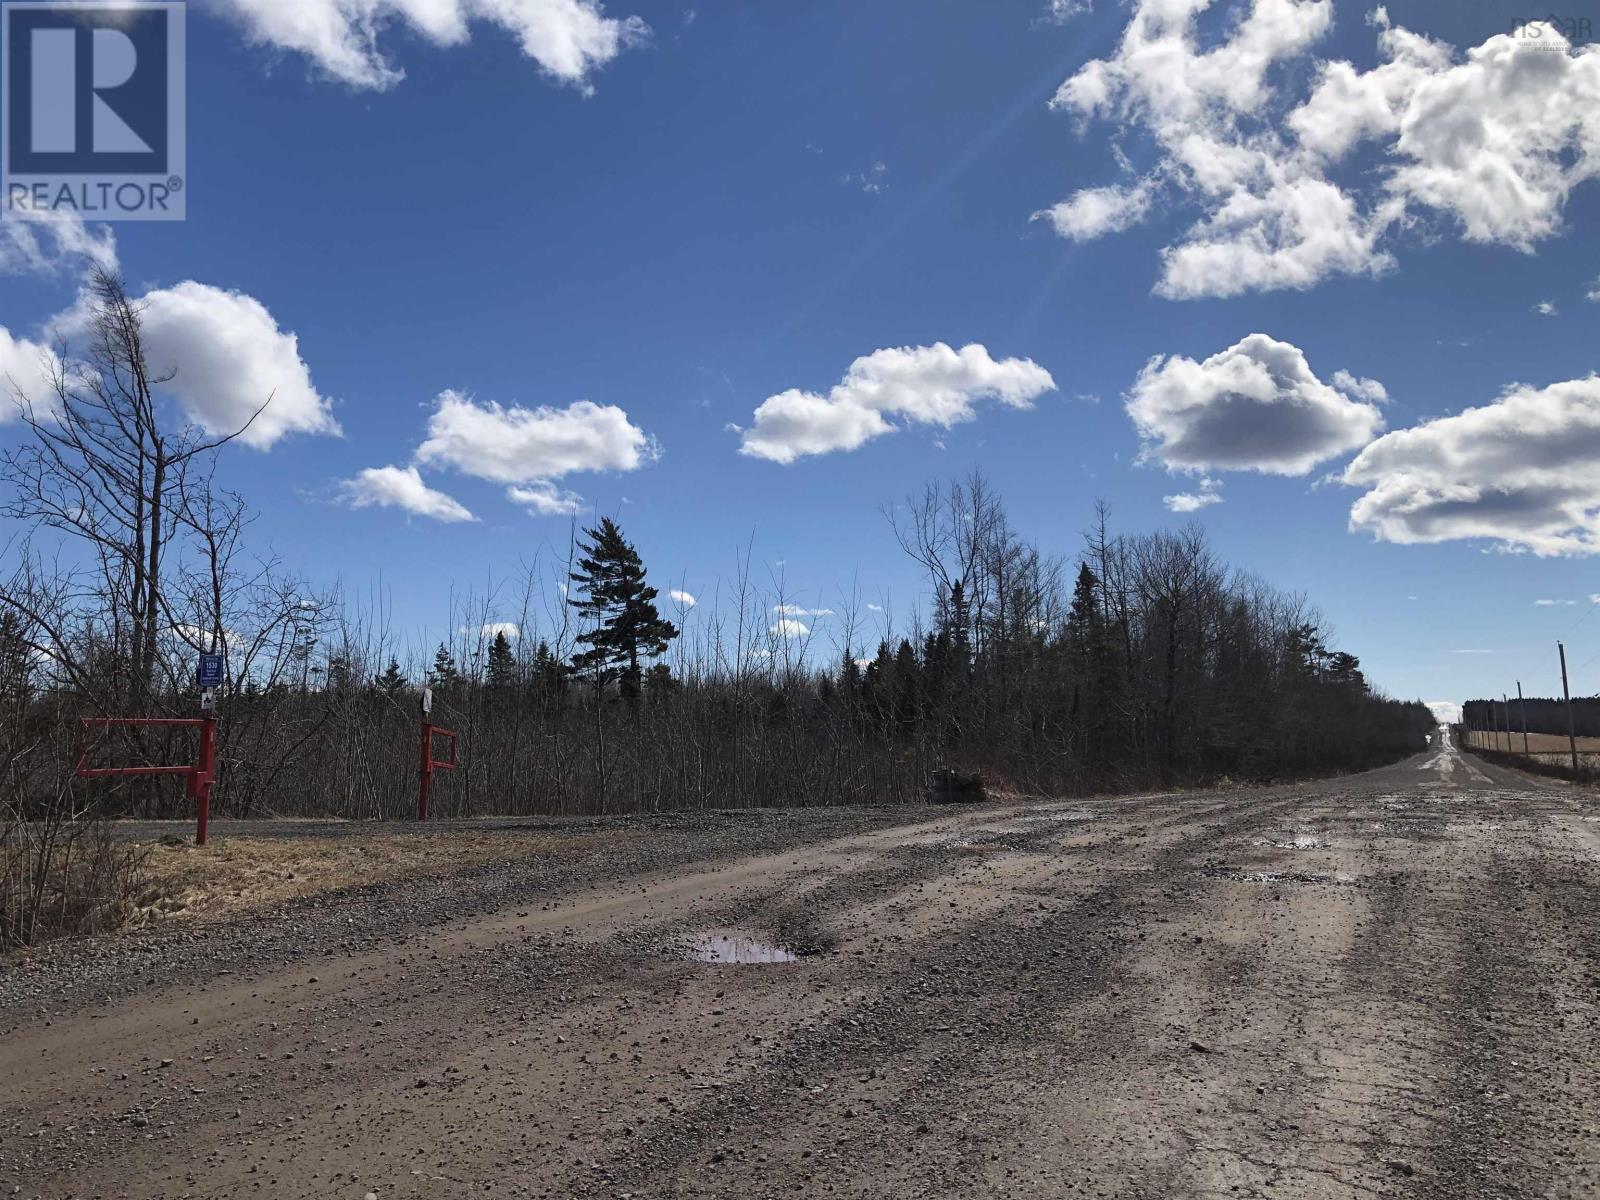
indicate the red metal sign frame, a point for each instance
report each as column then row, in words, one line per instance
column 429, row 764
column 198, row 778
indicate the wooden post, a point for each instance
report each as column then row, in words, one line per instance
column 1566, row 694
column 1522, row 707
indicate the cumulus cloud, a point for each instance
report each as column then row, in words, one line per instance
column 1256, row 406
column 1545, row 308
column 1492, row 145
column 568, row 39
column 1522, row 473
column 402, row 488
column 28, row 371
column 789, row 628
column 493, row 629
column 515, row 445
column 794, row 610
column 228, row 357
column 1095, row 212
column 921, row 385
column 682, row 598
column 1446, row 712
column 1365, row 389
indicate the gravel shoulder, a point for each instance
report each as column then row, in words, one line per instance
column 1380, row 985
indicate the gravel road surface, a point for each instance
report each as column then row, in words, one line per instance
column 1383, row 985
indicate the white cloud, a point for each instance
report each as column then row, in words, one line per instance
column 1522, row 472
column 27, row 374
column 569, row 39
column 1446, row 712
column 400, row 487
column 518, row 445
column 788, row 628
column 874, row 180
column 545, row 499
column 494, row 628
column 1593, row 294
column 682, row 598
column 228, row 357
column 1495, row 143
column 1256, row 406
column 922, row 385
column 875, row 607
column 1545, row 308
column 53, row 245
column 1095, row 212
column 794, row 610
column 1188, row 502
column 1369, row 390
column 1060, row 12
column 1553, row 603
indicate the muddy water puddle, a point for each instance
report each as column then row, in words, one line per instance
column 730, row 947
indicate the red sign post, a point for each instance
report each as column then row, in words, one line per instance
column 428, row 763
column 198, row 778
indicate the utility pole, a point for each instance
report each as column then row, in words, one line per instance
column 1566, row 694
column 1522, row 707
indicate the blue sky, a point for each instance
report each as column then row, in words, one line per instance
column 748, row 198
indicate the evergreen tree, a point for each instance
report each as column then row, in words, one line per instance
column 502, row 663
column 444, row 673
column 549, row 676
column 392, row 682
column 612, row 593
column 341, row 674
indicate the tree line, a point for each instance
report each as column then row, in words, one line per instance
column 1140, row 661
column 1543, row 715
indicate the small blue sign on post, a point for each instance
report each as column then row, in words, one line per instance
column 210, row 671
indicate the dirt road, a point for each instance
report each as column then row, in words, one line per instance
column 1382, row 985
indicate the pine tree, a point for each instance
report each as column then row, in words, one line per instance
column 502, row 663
column 612, row 593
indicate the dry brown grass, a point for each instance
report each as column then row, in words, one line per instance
column 64, row 878
column 239, row 873
column 1539, row 744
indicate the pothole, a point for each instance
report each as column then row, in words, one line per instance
column 1300, row 841
column 729, row 947
column 1240, row 875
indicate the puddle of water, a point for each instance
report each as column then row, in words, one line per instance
column 729, row 947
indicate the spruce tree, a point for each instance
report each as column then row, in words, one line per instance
column 612, row 593
column 502, row 663
column 392, row 682
column 444, row 673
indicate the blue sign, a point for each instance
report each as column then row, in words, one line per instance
column 210, row 671
column 92, row 120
